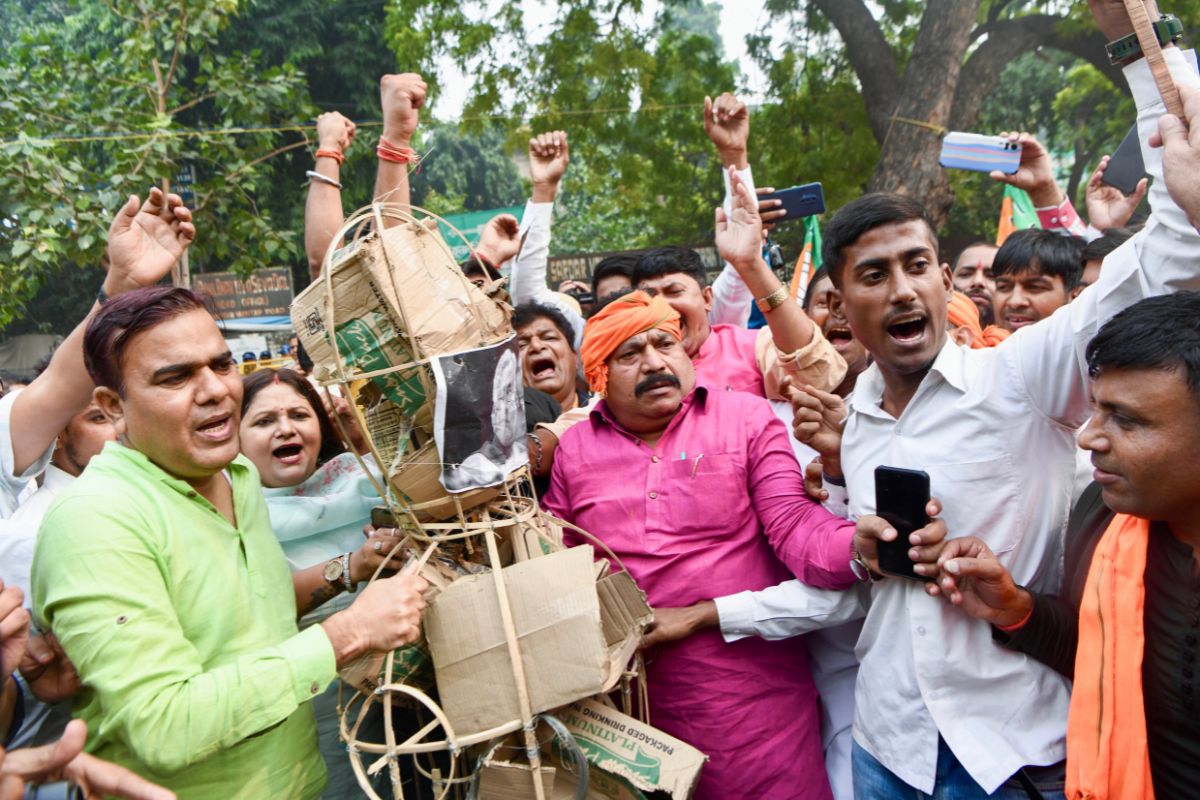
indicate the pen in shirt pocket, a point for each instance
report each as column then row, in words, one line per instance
column 696, row 464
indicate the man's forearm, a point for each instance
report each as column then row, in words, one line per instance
column 9, row 695
column 790, row 326
column 788, row 609
column 323, row 214
column 42, row 410
column 1050, row 635
column 391, row 177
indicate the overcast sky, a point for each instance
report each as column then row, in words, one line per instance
column 738, row 18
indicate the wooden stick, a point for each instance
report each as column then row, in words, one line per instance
column 1152, row 51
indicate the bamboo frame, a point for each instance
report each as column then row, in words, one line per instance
column 513, row 508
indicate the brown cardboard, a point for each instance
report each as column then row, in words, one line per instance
column 556, row 613
column 503, row 780
column 624, row 615
column 648, row 758
column 445, row 312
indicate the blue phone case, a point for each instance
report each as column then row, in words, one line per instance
column 979, row 153
column 799, row 201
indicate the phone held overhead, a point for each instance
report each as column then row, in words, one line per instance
column 979, row 153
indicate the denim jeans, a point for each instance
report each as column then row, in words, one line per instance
column 874, row 781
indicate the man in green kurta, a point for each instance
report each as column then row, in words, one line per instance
column 159, row 573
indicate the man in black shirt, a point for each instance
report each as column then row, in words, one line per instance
column 1144, row 437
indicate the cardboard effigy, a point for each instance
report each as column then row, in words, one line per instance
column 517, row 625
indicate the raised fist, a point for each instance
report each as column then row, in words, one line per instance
column 401, row 97
column 727, row 123
column 334, row 132
column 548, row 157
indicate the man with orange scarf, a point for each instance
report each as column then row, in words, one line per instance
column 697, row 491
column 1126, row 624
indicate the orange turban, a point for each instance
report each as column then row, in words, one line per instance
column 965, row 314
column 622, row 319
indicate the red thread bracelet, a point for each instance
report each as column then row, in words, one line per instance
column 334, row 154
column 1016, row 626
column 398, row 155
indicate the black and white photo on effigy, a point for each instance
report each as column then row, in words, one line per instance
column 479, row 417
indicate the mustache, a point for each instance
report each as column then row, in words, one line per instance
column 654, row 381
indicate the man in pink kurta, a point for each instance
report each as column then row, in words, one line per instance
column 697, row 491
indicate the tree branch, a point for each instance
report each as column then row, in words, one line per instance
column 233, row 173
column 190, row 103
column 175, row 55
column 870, row 56
column 1007, row 40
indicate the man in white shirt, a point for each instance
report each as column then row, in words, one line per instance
column 84, row 437
column 940, row 708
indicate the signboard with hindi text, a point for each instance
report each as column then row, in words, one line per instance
column 266, row 292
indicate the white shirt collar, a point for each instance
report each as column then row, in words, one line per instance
column 950, row 366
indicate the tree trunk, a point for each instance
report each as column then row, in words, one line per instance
column 940, row 88
column 909, row 152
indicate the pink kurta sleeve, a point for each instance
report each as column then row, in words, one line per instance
column 814, row 544
column 557, row 500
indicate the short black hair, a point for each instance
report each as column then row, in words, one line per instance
column 621, row 264
column 1157, row 333
column 604, row 302
column 980, row 243
column 1099, row 249
column 669, row 260
column 476, row 266
column 526, row 313
column 820, row 274
column 1043, row 252
column 862, row 215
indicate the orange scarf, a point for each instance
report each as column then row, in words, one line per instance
column 622, row 319
column 963, row 313
column 1107, row 754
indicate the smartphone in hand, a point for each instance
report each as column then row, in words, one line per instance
column 798, row 201
column 901, row 496
column 978, row 153
column 1126, row 168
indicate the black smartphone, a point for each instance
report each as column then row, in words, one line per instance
column 382, row 517
column 900, row 498
column 582, row 297
column 1126, row 167
column 798, row 201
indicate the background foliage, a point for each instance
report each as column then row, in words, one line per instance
column 146, row 87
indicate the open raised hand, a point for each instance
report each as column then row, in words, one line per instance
column 145, row 240
column 739, row 233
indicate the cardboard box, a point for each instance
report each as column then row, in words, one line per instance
column 503, row 780
column 556, row 612
column 624, row 616
column 368, row 324
column 648, row 758
column 445, row 312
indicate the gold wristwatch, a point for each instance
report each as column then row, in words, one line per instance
column 774, row 300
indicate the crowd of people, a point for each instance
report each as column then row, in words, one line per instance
column 188, row 555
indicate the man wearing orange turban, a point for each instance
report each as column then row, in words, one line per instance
column 621, row 319
column 696, row 489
